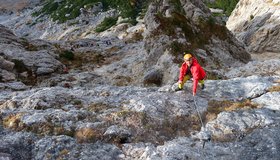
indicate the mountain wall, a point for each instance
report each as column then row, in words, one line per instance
column 256, row 24
column 78, row 94
column 172, row 29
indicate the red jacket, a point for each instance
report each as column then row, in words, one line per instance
column 197, row 73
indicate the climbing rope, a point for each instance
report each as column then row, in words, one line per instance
column 196, row 108
column 202, row 124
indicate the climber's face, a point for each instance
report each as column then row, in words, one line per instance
column 188, row 61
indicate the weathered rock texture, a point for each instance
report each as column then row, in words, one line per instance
column 94, row 111
column 152, row 50
column 256, row 23
column 188, row 26
column 20, row 59
column 84, row 122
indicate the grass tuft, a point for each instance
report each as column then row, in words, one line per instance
column 216, row 107
column 274, row 89
column 226, row 5
column 87, row 135
column 106, row 24
column 67, row 55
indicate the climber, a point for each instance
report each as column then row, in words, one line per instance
column 191, row 69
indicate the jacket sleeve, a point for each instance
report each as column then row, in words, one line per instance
column 195, row 75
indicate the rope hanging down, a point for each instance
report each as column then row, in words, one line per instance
column 202, row 124
column 196, row 108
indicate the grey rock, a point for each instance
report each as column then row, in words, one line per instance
column 17, row 145
column 103, row 97
column 153, row 77
column 195, row 10
column 6, row 76
column 24, row 58
column 6, row 65
column 138, row 150
column 67, row 148
column 262, row 144
column 257, row 67
column 230, row 123
column 269, row 100
column 15, row 86
column 255, row 23
column 239, row 88
column 116, row 130
column 5, row 156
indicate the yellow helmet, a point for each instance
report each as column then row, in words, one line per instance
column 187, row 56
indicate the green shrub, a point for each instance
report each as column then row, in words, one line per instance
column 226, row 5
column 178, row 6
column 67, row 55
column 58, row 10
column 251, row 17
column 106, row 24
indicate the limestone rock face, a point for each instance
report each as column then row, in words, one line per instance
column 16, row 145
column 20, row 57
column 97, row 109
column 262, row 67
column 171, row 30
column 257, row 23
column 150, row 123
column 195, row 9
column 156, row 43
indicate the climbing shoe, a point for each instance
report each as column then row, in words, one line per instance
column 202, row 86
column 178, row 89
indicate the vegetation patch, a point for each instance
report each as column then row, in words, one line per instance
column 28, row 46
column 64, row 10
column 20, row 67
column 99, row 107
column 216, row 107
column 46, row 128
column 178, row 6
column 122, row 80
column 12, row 121
column 145, row 128
column 66, row 54
column 226, row 5
column 134, row 38
column 214, row 76
column 78, row 60
column 197, row 39
column 251, row 17
column 87, row 135
column 274, row 89
column 107, row 23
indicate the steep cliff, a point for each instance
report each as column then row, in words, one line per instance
column 256, row 24
column 174, row 27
